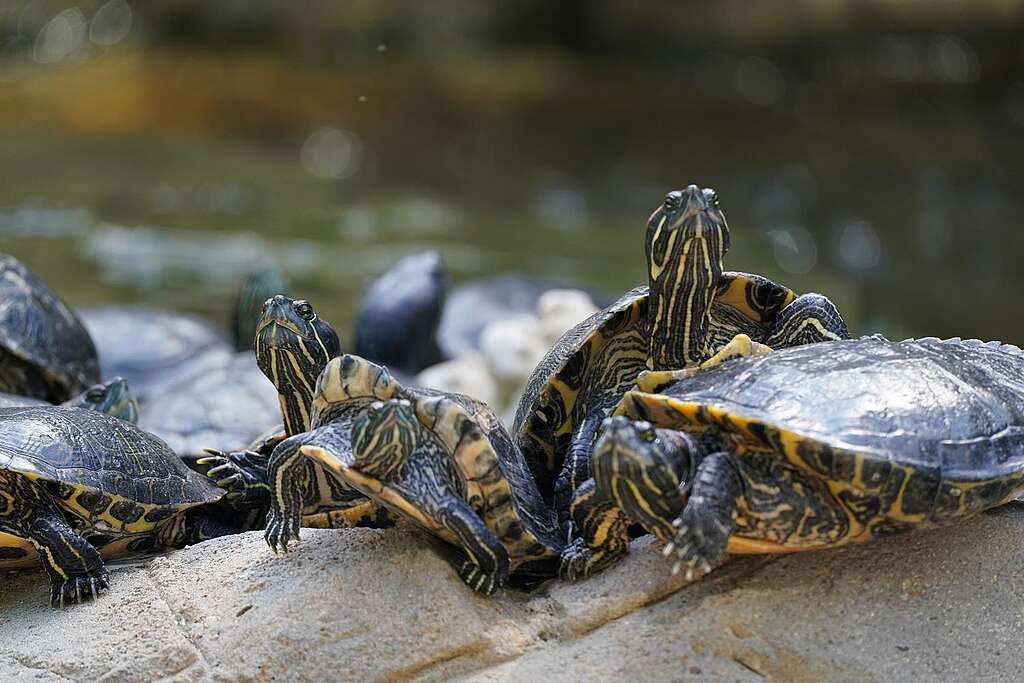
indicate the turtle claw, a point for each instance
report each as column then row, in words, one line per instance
column 78, row 589
column 281, row 529
column 477, row 579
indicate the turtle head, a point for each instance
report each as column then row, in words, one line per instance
column 643, row 469
column 262, row 283
column 113, row 398
column 687, row 238
column 293, row 345
column 383, row 437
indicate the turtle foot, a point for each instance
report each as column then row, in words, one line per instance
column 478, row 579
column 78, row 589
column 281, row 529
column 578, row 561
column 698, row 545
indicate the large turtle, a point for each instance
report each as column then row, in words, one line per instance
column 76, row 485
column 689, row 310
column 45, row 351
column 456, row 473
column 113, row 398
column 808, row 447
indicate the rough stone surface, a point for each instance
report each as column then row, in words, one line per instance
column 382, row 605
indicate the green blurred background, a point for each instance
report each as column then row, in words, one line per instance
column 156, row 151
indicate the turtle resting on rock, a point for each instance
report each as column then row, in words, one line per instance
column 113, row 398
column 45, row 351
column 809, row 447
column 690, row 311
column 458, row 475
column 77, row 485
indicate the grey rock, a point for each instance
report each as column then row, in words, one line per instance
column 366, row 604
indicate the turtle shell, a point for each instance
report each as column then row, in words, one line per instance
column 149, row 347
column 45, row 350
column 594, row 363
column 103, row 469
column 936, row 424
column 497, row 481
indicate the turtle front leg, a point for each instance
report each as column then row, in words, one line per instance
column 708, row 518
column 74, row 566
column 740, row 346
column 486, row 565
column 604, row 534
column 809, row 319
column 290, row 474
column 243, row 474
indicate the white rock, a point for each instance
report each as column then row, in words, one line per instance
column 562, row 309
column 512, row 348
column 467, row 374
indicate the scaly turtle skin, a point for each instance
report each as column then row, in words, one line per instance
column 113, row 398
column 77, row 485
column 45, row 351
column 690, row 310
column 455, row 473
column 809, row 447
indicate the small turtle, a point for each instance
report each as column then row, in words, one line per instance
column 458, row 475
column 77, row 485
column 113, row 398
column 397, row 321
column 45, row 351
column 806, row 448
column 690, row 310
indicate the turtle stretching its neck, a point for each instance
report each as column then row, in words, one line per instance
column 809, row 447
column 690, row 311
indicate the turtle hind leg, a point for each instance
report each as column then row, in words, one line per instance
column 484, row 566
column 74, row 566
column 809, row 319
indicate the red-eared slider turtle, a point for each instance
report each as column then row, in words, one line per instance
column 45, row 351
column 458, row 475
column 808, row 447
column 690, row 310
column 76, row 484
column 113, row 398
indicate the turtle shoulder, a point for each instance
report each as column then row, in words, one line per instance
column 86, row 449
column 952, row 407
column 494, row 475
column 37, row 327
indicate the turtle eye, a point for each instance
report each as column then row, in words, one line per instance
column 712, row 197
column 649, row 435
column 673, row 200
column 303, row 308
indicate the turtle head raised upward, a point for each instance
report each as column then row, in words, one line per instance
column 687, row 238
column 293, row 345
column 383, row 437
column 646, row 471
column 113, row 398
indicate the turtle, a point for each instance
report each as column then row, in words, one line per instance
column 690, row 310
column 45, row 350
column 808, row 447
column 77, row 485
column 113, row 398
column 399, row 315
column 454, row 472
